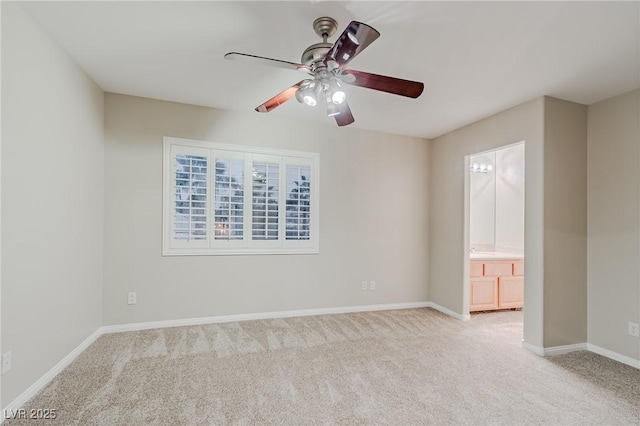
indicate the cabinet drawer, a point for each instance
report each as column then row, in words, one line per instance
column 476, row 268
column 494, row 269
column 518, row 268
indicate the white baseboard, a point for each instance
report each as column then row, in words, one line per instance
column 565, row 349
column 559, row 350
column 258, row 316
column 554, row 350
column 538, row 350
column 32, row 390
column 614, row 355
column 461, row 317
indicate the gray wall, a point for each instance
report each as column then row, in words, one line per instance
column 614, row 223
column 373, row 218
column 447, row 218
column 565, row 223
column 52, row 202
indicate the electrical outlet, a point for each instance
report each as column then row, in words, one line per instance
column 372, row 285
column 6, row 362
column 364, row 285
column 132, row 298
column 634, row 329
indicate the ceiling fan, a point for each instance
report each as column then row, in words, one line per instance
column 326, row 64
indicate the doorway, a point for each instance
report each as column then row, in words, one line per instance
column 494, row 230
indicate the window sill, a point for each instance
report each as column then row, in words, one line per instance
column 239, row 252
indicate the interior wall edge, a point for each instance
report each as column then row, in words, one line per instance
column 565, row 222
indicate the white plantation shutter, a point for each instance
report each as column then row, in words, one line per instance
column 298, row 203
column 265, row 179
column 229, row 197
column 233, row 199
column 189, row 192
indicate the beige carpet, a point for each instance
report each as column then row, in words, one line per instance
column 401, row 367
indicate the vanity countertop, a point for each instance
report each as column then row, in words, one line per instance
column 494, row 255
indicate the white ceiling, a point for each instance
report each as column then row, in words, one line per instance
column 475, row 58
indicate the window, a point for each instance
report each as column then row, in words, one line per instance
column 233, row 199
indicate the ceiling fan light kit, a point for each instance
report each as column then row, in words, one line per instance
column 326, row 63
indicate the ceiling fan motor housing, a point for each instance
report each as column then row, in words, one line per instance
column 315, row 52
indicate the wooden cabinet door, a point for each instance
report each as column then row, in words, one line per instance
column 484, row 294
column 511, row 292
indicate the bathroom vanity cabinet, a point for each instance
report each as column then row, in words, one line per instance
column 496, row 284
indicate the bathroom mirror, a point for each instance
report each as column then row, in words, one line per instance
column 497, row 200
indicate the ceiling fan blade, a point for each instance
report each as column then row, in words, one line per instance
column 345, row 117
column 396, row 86
column 353, row 40
column 280, row 98
column 253, row 59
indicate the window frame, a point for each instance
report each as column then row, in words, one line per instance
column 173, row 146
